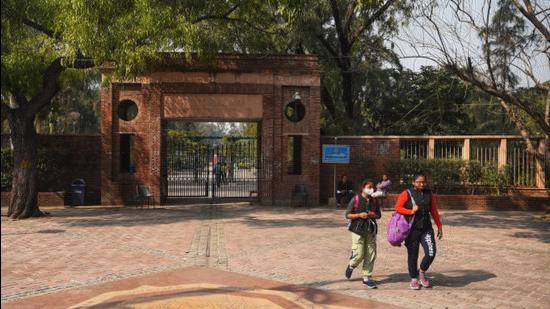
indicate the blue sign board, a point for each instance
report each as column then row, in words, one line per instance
column 336, row 154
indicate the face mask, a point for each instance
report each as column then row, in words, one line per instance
column 368, row 191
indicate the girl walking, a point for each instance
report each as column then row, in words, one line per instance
column 362, row 211
column 420, row 202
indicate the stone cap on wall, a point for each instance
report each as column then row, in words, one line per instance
column 445, row 137
column 170, row 62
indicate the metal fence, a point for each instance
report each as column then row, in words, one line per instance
column 414, row 149
column 484, row 151
column 522, row 164
column 509, row 151
column 211, row 167
column 448, row 149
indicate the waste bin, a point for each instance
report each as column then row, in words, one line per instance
column 78, row 191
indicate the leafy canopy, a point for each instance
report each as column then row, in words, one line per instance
column 129, row 33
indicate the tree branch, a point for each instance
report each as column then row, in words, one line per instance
column 40, row 28
column 49, row 89
column 529, row 13
column 10, row 12
column 331, row 50
column 369, row 21
column 524, row 132
column 328, row 102
column 504, row 96
column 221, row 16
column 342, row 38
column 350, row 15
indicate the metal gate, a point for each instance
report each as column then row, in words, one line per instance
column 215, row 167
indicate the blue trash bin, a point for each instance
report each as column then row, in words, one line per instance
column 78, row 192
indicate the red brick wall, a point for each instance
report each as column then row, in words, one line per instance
column 83, row 162
column 44, row 199
column 484, row 202
column 375, row 151
column 379, row 150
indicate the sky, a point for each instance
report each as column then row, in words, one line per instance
column 466, row 43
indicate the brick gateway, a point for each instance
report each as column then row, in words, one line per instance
column 280, row 93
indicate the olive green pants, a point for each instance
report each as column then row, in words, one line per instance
column 363, row 249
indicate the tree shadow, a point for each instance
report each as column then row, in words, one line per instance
column 534, row 226
column 298, row 222
column 131, row 216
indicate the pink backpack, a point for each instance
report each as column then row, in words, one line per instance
column 399, row 227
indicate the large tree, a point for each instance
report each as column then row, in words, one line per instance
column 44, row 42
column 498, row 46
column 350, row 37
column 431, row 101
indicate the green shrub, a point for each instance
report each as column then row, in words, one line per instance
column 7, row 168
column 471, row 172
column 496, row 178
column 50, row 165
column 445, row 174
column 451, row 175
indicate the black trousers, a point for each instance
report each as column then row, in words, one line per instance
column 424, row 237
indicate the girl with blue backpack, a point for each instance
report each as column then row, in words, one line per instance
column 362, row 212
column 419, row 205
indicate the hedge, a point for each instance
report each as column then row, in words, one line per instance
column 452, row 176
column 50, row 165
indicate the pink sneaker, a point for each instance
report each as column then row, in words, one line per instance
column 414, row 284
column 423, row 280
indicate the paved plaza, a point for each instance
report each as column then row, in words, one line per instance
column 239, row 255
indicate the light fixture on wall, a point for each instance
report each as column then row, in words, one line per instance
column 295, row 110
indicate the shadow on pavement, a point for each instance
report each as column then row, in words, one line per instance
column 453, row 278
column 130, row 216
column 283, row 223
column 534, row 227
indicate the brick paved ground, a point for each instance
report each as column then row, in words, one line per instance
column 486, row 259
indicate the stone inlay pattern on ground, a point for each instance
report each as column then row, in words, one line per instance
column 483, row 254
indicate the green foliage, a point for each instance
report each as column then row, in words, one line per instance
column 498, row 178
column 50, row 165
column 131, row 33
column 7, row 168
column 404, row 102
column 432, row 101
column 405, row 169
column 345, row 56
column 78, row 96
column 451, row 176
column 444, row 173
column 472, row 172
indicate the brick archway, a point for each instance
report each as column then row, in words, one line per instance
column 232, row 88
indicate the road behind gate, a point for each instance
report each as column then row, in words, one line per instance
column 291, row 257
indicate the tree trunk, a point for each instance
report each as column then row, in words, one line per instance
column 347, row 93
column 347, row 96
column 24, row 191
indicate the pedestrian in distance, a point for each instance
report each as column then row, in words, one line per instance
column 382, row 188
column 218, row 172
column 225, row 171
column 419, row 204
column 362, row 212
column 344, row 191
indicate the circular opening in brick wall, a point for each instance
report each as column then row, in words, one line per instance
column 295, row 111
column 127, row 110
